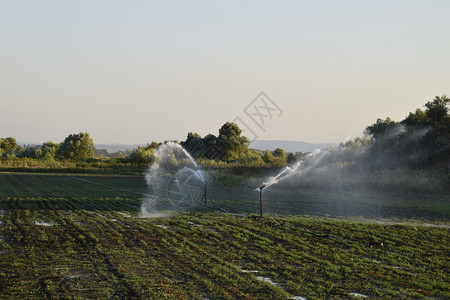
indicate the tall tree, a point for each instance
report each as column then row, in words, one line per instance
column 437, row 110
column 435, row 146
column 153, row 145
column 193, row 144
column 380, row 127
column 230, row 142
column 279, row 153
column 418, row 118
column 77, row 146
column 8, row 144
column 421, row 140
column 49, row 150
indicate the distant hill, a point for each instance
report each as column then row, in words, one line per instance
column 111, row 148
column 288, row 146
column 25, row 143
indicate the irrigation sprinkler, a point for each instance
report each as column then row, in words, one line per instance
column 261, row 187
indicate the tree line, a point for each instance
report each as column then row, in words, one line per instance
column 228, row 149
column 231, row 148
column 75, row 147
column 420, row 141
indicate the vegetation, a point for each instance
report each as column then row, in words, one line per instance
column 92, row 165
column 228, row 146
column 420, row 141
column 142, row 155
column 231, row 150
column 96, row 248
column 7, row 145
column 77, row 146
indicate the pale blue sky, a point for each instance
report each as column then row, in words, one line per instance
column 138, row 71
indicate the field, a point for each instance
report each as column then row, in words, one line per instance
column 80, row 236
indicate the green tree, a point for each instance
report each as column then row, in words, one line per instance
column 418, row 118
column 437, row 110
column 279, row 153
column 279, row 157
column 48, row 150
column 31, row 151
column 153, row 145
column 268, row 157
column 7, row 145
column 142, row 155
column 251, row 158
column 209, row 147
column 193, row 144
column 380, row 127
column 193, row 136
column 230, row 143
column 290, row 158
column 422, row 140
column 435, row 146
column 77, row 146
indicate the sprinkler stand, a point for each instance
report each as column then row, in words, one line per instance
column 261, row 187
column 205, row 193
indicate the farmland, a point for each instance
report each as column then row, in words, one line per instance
column 67, row 236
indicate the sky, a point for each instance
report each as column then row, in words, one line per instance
column 133, row 72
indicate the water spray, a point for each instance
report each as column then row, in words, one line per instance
column 175, row 179
column 202, row 178
column 285, row 173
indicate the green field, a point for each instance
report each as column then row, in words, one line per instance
column 74, row 236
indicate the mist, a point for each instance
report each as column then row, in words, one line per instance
column 175, row 182
column 361, row 178
column 382, row 177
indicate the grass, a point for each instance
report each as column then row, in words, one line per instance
column 71, row 185
column 74, row 236
column 235, row 194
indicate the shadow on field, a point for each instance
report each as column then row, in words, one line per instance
column 118, row 204
column 69, row 192
column 234, row 194
column 285, row 201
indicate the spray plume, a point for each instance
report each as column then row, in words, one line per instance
column 174, row 179
column 286, row 172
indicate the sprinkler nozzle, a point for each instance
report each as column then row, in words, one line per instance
column 262, row 186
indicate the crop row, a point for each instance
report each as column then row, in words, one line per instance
column 99, row 248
